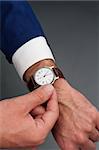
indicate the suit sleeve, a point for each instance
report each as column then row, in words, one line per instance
column 21, row 35
column 18, row 25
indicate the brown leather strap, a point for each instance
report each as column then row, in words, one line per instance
column 58, row 73
column 32, row 85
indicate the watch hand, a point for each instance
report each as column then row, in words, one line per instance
column 46, row 73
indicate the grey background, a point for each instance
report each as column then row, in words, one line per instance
column 72, row 29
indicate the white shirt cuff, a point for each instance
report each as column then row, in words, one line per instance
column 30, row 53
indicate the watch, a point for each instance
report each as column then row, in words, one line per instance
column 43, row 76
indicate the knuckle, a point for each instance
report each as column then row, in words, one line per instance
column 80, row 137
column 89, row 128
column 93, row 116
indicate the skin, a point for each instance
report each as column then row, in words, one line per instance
column 77, row 127
column 18, row 128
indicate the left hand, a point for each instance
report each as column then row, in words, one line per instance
column 78, row 125
column 18, row 129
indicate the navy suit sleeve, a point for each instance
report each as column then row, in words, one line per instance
column 18, row 25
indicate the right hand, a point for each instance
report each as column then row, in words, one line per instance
column 18, row 128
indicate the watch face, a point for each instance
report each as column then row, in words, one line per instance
column 44, row 76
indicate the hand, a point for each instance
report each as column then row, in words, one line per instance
column 78, row 125
column 17, row 126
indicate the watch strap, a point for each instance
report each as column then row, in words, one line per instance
column 58, row 72
column 32, row 85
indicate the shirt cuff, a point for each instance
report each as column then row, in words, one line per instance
column 30, row 53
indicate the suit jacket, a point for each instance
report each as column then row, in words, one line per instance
column 18, row 25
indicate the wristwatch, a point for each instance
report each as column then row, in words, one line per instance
column 43, row 76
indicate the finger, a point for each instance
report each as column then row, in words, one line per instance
column 50, row 116
column 88, row 145
column 29, row 101
column 94, row 136
column 39, row 110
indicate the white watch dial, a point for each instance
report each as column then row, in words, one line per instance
column 44, row 76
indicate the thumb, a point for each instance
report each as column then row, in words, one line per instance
column 48, row 119
column 29, row 101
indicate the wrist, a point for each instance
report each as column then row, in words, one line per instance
column 60, row 83
column 31, row 84
column 63, row 90
column 31, row 70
